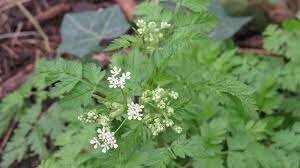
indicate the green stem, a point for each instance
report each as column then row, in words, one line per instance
column 99, row 98
column 124, row 97
column 120, row 125
column 170, row 150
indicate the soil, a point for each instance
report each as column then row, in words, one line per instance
column 21, row 45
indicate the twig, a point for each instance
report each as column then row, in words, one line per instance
column 8, row 5
column 16, row 34
column 7, row 135
column 35, row 24
column 9, row 51
column 258, row 52
column 15, row 81
column 51, row 12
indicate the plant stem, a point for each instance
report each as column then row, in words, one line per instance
column 99, row 98
column 170, row 150
column 120, row 125
column 124, row 97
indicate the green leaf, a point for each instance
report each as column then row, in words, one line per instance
column 37, row 142
column 213, row 162
column 200, row 6
column 263, row 155
column 80, row 95
column 82, row 32
column 65, row 85
column 93, row 73
column 214, row 132
column 124, row 41
column 236, row 160
column 239, row 142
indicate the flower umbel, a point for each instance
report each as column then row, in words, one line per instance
column 95, row 142
column 93, row 117
column 107, row 140
column 162, row 117
column 134, row 111
column 151, row 33
column 117, row 80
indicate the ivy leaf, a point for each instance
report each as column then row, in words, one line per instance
column 82, row 32
column 227, row 25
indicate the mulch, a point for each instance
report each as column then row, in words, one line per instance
column 21, row 45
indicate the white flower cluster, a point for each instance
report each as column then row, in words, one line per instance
column 161, row 119
column 118, row 80
column 93, row 117
column 134, row 111
column 106, row 140
column 151, row 33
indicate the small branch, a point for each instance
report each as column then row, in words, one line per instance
column 189, row 164
column 258, row 52
column 7, row 135
column 170, row 150
column 35, row 24
column 120, row 125
column 16, row 34
column 51, row 13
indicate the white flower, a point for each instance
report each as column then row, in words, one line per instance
column 152, row 25
column 158, row 93
column 141, row 23
column 134, row 111
column 164, row 25
column 161, row 104
column 113, row 82
column 174, row 95
column 170, row 110
column 115, row 71
column 117, row 80
column 95, row 142
column 108, row 140
column 177, row 129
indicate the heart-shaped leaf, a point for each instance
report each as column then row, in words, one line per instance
column 82, row 32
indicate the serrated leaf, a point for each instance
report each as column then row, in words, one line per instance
column 214, row 132
column 236, row 160
column 213, row 162
column 263, row 155
column 65, row 85
column 123, row 42
column 239, row 142
column 81, row 32
column 79, row 95
column 197, row 5
column 37, row 141
column 92, row 73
